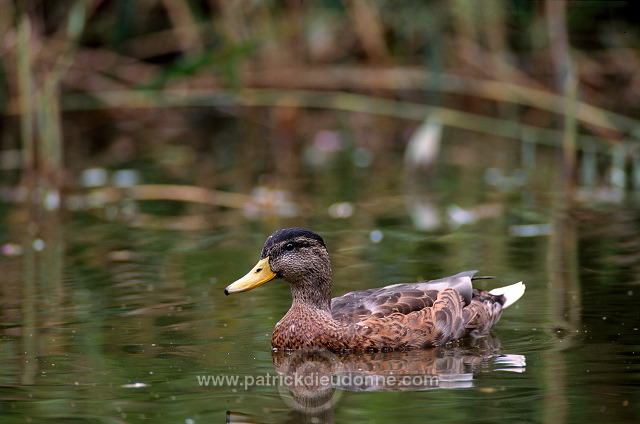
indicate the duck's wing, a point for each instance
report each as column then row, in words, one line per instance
column 360, row 305
column 431, row 326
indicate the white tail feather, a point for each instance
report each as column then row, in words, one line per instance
column 512, row 293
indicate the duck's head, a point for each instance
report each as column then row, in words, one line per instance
column 296, row 255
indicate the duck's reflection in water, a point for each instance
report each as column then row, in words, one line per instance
column 313, row 375
column 314, row 380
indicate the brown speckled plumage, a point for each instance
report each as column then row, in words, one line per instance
column 400, row 316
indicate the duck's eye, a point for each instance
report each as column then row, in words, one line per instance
column 289, row 246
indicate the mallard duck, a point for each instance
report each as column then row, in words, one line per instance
column 400, row 316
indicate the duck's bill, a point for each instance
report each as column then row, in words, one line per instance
column 260, row 274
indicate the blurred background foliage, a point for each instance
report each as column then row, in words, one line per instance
column 84, row 82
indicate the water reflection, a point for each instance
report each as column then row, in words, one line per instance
column 312, row 381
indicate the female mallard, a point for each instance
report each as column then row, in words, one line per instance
column 400, row 316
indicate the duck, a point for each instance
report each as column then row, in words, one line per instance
column 395, row 317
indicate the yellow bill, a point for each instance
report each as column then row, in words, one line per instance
column 260, row 274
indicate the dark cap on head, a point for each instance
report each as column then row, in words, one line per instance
column 289, row 234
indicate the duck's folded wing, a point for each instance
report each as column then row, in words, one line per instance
column 403, row 298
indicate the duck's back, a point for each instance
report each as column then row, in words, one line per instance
column 421, row 314
column 379, row 302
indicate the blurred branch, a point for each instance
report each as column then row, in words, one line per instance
column 182, row 193
column 398, row 79
column 315, row 99
column 613, row 125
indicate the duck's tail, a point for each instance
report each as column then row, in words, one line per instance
column 511, row 293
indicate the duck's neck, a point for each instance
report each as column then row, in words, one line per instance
column 313, row 292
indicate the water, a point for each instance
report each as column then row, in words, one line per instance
column 109, row 317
